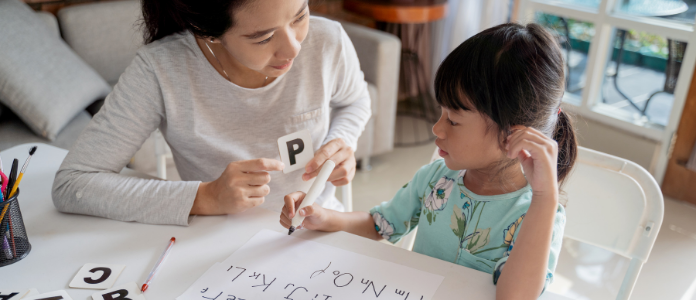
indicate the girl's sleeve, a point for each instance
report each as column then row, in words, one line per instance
column 350, row 100
column 556, row 241
column 88, row 181
column 397, row 217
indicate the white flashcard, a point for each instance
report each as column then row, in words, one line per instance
column 96, row 276
column 56, row 295
column 296, row 150
column 127, row 291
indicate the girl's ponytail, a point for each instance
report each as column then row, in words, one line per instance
column 564, row 134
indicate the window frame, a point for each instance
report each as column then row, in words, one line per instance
column 605, row 18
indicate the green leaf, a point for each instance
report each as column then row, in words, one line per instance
column 458, row 222
column 429, row 216
column 455, row 222
column 479, row 240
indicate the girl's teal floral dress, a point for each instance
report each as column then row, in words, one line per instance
column 457, row 225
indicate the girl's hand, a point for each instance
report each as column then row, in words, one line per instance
column 538, row 155
column 316, row 217
column 340, row 153
column 242, row 185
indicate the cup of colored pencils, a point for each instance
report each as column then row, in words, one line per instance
column 14, row 242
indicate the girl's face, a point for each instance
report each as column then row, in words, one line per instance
column 267, row 35
column 467, row 140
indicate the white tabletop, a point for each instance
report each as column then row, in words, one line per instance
column 63, row 243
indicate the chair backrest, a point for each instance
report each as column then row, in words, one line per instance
column 613, row 204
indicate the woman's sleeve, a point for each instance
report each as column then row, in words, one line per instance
column 397, row 217
column 88, row 181
column 350, row 100
column 554, row 251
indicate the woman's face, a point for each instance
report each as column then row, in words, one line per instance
column 267, row 35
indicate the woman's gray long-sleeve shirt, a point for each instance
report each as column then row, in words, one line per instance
column 208, row 123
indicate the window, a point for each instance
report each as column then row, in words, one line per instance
column 624, row 61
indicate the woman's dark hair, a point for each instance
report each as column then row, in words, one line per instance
column 514, row 75
column 203, row 18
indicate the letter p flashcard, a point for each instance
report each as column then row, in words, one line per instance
column 296, row 150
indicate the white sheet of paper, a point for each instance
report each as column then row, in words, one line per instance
column 127, row 291
column 296, row 150
column 275, row 266
column 52, row 295
column 96, row 276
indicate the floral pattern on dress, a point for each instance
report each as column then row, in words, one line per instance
column 461, row 221
column 509, row 232
column 383, row 227
column 436, row 201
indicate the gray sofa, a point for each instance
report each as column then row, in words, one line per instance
column 106, row 36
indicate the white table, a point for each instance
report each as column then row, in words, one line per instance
column 62, row 243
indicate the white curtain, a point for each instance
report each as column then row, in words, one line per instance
column 464, row 19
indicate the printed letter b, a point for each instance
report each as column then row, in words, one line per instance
column 120, row 294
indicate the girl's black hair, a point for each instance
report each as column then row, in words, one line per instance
column 209, row 18
column 514, row 75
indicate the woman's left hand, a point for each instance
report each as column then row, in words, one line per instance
column 538, row 155
column 340, row 153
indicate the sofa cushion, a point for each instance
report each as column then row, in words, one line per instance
column 106, row 35
column 41, row 79
column 50, row 20
column 14, row 132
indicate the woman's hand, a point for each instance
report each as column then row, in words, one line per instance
column 337, row 151
column 538, row 155
column 316, row 217
column 242, row 185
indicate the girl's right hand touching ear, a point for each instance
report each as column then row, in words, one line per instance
column 316, row 217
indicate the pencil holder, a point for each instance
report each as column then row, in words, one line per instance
column 14, row 243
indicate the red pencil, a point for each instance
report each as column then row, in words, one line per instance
column 157, row 265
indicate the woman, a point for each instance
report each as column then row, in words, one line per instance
column 222, row 80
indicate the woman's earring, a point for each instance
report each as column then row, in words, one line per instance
column 212, row 40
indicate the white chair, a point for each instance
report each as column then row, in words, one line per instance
column 163, row 152
column 614, row 204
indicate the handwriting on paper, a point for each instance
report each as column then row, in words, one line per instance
column 274, row 266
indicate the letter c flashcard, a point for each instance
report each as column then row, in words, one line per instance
column 128, row 291
column 56, row 295
column 96, row 276
column 296, row 150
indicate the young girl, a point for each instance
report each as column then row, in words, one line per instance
column 492, row 203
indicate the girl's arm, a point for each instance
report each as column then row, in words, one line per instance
column 524, row 273
column 321, row 219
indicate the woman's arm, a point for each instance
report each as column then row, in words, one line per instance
column 88, row 181
column 351, row 109
column 350, row 99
